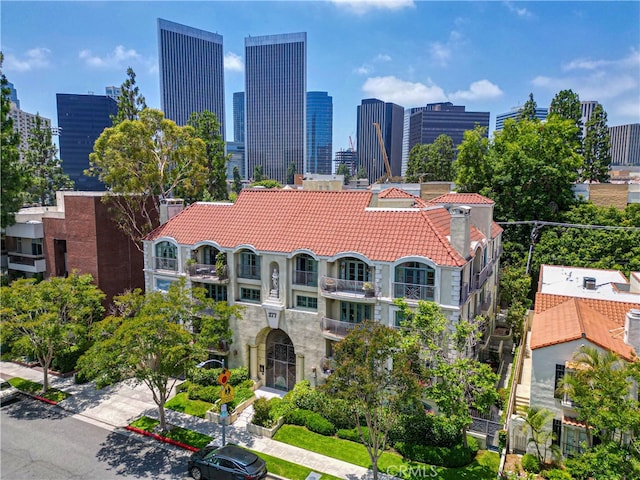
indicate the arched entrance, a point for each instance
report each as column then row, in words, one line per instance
column 281, row 361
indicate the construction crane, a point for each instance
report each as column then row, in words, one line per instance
column 384, row 151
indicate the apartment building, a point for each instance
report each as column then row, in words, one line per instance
column 309, row 265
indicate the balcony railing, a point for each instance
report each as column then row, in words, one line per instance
column 336, row 328
column 203, row 270
column 480, row 278
column 249, row 271
column 306, row 278
column 164, row 263
column 486, row 305
column 411, row 291
column 353, row 287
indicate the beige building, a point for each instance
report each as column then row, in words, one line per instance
column 309, row 265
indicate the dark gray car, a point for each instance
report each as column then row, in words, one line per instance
column 226, row 463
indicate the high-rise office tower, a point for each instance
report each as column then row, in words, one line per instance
column 390, row 117
column 405, row 136
column 275, row 97
column 625, row 145
column 13, row 94
column 541, row 114
column 23, row 123
column 444, row 118
column 319, row 132
column 586, row 108
column 238, row 117
column 81, row 120
column 112, row 92
column 191, row 65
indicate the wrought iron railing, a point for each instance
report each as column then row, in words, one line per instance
column 249, row 271
column 305, row 277
column 332, row 284
column 165, row 263
column 336, row 328
column 412, row 291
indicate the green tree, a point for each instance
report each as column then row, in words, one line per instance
column 537, row 419
column 609, row 461
column 460, row 385
column 372, row 373
column 44, row 166
column 258, row 176
column 291, row 173
column 473, row 170
column 148, row 338
column 208, row 130
column 237, row 180
column 528, row 111
column 130, row 101
column 13, row 176
column 596, row 147
column 362, row 172
column 424, row 329
column 146, row 160
column 440, row 165
column 267, row 183
column 566, row 105
column 44, row 318
column 417, row 164
column 343, row 169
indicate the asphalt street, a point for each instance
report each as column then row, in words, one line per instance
column 40, row 441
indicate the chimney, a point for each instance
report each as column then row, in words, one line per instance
column 169, row 208
column 461, row 229
column 632, row 329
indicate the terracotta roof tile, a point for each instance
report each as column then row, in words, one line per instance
column 326, row 223
column 614, row 310
column 395, row 192
column 576, row 318
column 462, row 198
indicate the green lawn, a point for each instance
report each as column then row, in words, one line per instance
column 182, row 403
column 35, row 388
column 484, row 467
column 289, row 470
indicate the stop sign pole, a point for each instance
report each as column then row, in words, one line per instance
column 225, row 391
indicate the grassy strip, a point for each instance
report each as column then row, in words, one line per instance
column 289, row 470
column 179, row 434
column 182, row 403
column 484, row 467
column 35, row 388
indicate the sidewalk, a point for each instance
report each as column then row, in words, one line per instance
column 116, row 406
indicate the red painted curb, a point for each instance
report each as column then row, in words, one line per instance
column 46, row 400
column 161, row 438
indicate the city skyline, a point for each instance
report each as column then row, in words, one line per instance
column 485, row 56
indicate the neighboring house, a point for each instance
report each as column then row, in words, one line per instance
column 574, row 307
column 23, row 254
column 308, row 265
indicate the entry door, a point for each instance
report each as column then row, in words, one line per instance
column 281, row 361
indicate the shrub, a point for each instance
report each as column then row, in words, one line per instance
column 339, row 412
column 208, row 394
column 262, row 413
column 502, row 439
column 556, row 474
column 65, row 361
column 313, row 421
column 296, row 417
column 450, row 457
column 429, row 429
column 530, row 463
column 209, row 376
column 352, row 434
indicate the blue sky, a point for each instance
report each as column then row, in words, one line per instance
column 487, row 56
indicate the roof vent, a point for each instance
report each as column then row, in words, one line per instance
column 589, row 283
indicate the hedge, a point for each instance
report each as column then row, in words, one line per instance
column 313, row 421
column 450, row 457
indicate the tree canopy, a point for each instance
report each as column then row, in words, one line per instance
column 148, row 338
column 43, row 318
column 44, row 166
column 432, row 162
column 146, row 160
column 207, row 128
column 596, row 147
column 472, row 168
column 130, row 101
column 528, row 111
column 13, row 176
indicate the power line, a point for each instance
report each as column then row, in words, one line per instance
column 543, row 223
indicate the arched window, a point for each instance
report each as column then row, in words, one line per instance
column 414, row 281
column 166, row 254
column 249, row 265
column 306, row 271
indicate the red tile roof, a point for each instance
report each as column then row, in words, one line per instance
column 567, row 319
column 327, row 223
column 395, row 192
column 462, row 198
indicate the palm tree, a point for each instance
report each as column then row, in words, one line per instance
column 537, row 419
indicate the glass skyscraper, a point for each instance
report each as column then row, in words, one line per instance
column 81, row 120
column 390, row 117
column 191, row 65
column 238, row 117
column 541, row 114
column 319, row 132
column 275, row 97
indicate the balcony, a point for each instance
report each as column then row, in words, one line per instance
column 204, row 271
column 411, row 291
column 480, row 278
column 348, row 289
column 165, row 263
column 305, row 278
column 23, row 262
column 465, row 291
column 335, row 329
column 486, row 305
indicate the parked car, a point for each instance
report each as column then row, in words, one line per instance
column 7, row 391
column 226, row 463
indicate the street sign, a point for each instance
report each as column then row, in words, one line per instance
column 227, row 394
column 223, row 411
column 224, row 376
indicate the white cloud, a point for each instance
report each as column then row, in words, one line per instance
column 402, row 92
column 383, row 57
column 519, row 11
column 440, row 53
column 119, row 58
column 32, row 59
column 360, row 7
column 233, row 62
column 480, row 90
column 632, row 60
column 362, row 70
